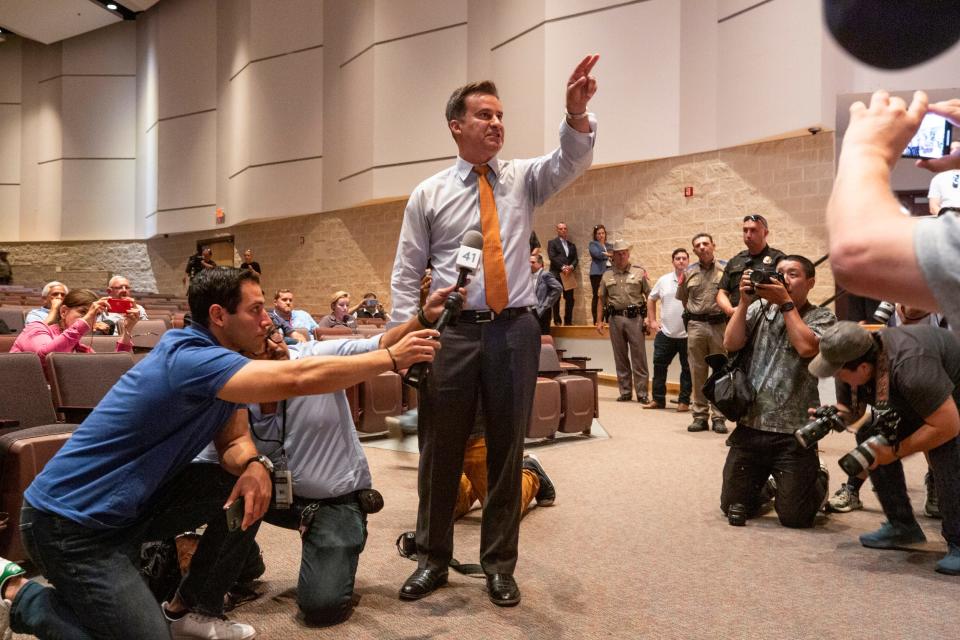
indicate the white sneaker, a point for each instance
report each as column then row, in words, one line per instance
column 5, row 632
column 845, row 500
column 197, row 625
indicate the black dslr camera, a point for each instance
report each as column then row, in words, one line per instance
column 826, row 419
column 765, row 275
column 883, row 423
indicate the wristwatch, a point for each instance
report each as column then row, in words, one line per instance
column 787, row 306
column 262, row 459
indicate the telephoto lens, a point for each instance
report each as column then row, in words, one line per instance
column 884, row 311
column 860, row 459
column 826, row 419
column 737, row 515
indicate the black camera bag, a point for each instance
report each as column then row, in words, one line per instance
column 728, row 387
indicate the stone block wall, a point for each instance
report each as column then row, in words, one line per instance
column 788, row 181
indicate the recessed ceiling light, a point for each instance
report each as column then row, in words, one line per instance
column 111, row 6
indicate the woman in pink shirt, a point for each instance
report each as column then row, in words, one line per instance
column 75, row 317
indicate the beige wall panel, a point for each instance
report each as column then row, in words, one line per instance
column 769, row 76
column 518, row 71
column 286, row 107
column 49, row 131
column 697, row 104
column 110, row 50
column 187, row 56
column 349, row 27
column 233, row 37
column 510, row 18
column 9, row 212
column 98, row 199
column 49, row 60
column 11, row 61
column 235, row 121
column 560, row 8
column 186, row 157
column 413, row 80
column 397, row 18
column 9, row 143
column 357, row 96
column 398, row 182
column 146, row 124
column 99, row 117
column 185, row 220
column 729, row 7
column 147, row 187
column 638, row 75
column 273, row 191
column 46, row 224
column 281, row 26
column 479, row 40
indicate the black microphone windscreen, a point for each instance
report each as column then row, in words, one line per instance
column 473, row 239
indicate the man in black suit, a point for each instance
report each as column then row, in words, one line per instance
column 548, row 290
column 563, row 259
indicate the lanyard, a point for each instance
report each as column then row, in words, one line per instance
column 283, row 432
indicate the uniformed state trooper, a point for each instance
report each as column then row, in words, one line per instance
column 623, row 301
column 757, row 255
column 706, row 322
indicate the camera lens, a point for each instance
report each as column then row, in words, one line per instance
column 884, row 311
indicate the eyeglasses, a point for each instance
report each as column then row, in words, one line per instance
column 275, row 334
column 755, row 217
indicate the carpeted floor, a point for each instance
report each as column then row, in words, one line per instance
column 636, row 548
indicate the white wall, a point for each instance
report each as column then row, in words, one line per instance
column 276, row 108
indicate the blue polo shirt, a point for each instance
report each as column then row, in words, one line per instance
column 150, row 425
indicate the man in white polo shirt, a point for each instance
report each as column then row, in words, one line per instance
column 944, row 194
column 671, row 334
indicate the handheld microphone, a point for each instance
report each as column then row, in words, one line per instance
column 469, row 257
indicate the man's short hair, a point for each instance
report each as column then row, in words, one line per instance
column 220, row 285
column 680, row 250
column 114, row 277
column 280, row 292
column 702, row 234
column 50, row 285
column 457, row 104
column 808, row 269
column 539, row 259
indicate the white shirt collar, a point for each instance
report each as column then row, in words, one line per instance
column 465, row 169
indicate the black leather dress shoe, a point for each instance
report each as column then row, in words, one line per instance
column 626, row 397
column 421, row 583
column 503, row 590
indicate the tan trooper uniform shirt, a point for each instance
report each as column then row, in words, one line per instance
column 624, row 288
column 698, row 291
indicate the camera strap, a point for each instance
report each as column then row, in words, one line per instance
column 881, row 382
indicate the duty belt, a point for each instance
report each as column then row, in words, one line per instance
column 473, row 316
column 712, row 318
column 620, row 312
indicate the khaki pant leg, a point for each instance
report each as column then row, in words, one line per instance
column 699, row 338
column 638, row 355
column 621, row 356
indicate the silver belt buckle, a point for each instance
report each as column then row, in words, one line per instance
column 484, row 317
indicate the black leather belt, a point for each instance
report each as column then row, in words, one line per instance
column 473, row 316
column 712, row 318
column 621, row 312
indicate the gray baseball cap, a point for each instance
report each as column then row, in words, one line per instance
column 840, row 343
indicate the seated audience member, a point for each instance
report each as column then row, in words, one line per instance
column 6, row 271
column 916, row 370
column 339, row 312
column 249, row 262
column 284, row 315
column 315, row 438
column 370, row 307
column 785, row 329
column 73, row 320
column 53, row 293
column 119, row 289
column 84, row 519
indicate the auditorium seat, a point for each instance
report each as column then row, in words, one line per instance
column 26, row 394
column 545, row 414
column 100, row 344
column 332, row 332
column 6, row 341
column 380, row 397
column 13, row 317
column 147, row 333
column 80, row 380
column 577, row 392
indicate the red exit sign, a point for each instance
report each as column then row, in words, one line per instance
column 688, row 192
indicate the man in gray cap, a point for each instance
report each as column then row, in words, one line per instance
column 623, row 294
column 916, row 370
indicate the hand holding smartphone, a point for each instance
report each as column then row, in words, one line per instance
column 932, row 139
column 119, row 305
column 235, row 514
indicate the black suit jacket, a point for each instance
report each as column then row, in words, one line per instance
column 558, row 258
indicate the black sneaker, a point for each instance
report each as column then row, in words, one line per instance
column 719, row 426
column 932, row 505
column 547, row 494
column 626, row 397
column 698, row 424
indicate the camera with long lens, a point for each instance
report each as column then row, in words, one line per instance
column 884, row 311
column 883, row 421
column 826, row 419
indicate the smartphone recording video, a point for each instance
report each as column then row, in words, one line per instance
column 932, row 140
column 118, row 305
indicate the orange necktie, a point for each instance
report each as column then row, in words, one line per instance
column 494, row 269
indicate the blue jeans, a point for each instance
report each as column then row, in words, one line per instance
column 97, row 591
column 330, row 550
column 664, row 349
